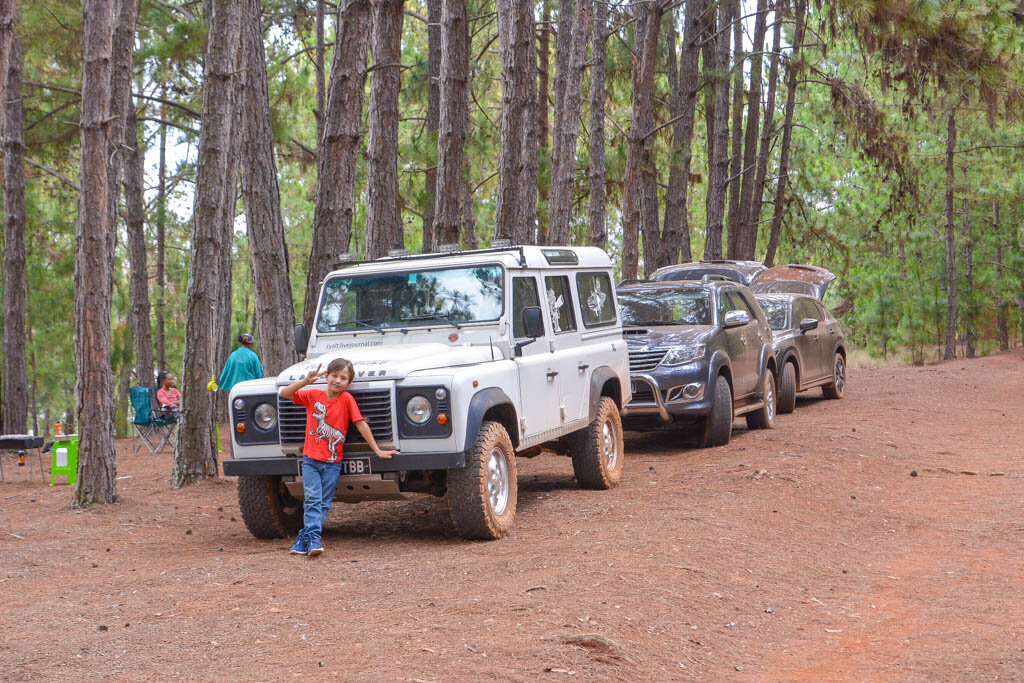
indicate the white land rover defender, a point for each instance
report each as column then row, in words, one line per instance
column 463, row 361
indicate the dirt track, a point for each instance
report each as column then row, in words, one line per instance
column 806, row 552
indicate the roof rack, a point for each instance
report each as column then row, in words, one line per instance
column 710, row 277
column 415, row 257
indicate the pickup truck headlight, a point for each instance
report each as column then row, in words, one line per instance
column 680, row 355
column 265, row 416
column 418, row 409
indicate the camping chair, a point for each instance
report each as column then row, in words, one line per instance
column 153, row 429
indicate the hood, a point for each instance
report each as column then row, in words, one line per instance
column 395, row 361
column 794, row 278
column 655, row 337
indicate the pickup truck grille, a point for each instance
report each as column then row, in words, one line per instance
column 642, row 361
column 374, row 404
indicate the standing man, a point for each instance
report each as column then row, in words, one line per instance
column 243, row 364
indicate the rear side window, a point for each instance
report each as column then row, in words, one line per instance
column 597, row 305
column 524, row 293
column 559, row 301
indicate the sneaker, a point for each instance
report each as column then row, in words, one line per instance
column 301, row 546
column 315, row 546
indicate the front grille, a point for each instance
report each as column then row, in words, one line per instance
column 642, row 393
column 374, row 404
column 643, row 361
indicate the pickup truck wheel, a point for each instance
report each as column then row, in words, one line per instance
column 838, row 386
column 764, row 417
column 787, row 389
column 268, row 510
column 597, row 449
column 718, row 423
column 482, row 495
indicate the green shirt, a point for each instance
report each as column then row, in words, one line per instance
column 243, row 364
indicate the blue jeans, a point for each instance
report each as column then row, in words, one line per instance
column 319, row 479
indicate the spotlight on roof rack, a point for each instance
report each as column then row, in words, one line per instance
column 346, row 257
column 448, row 248
column 397, row 253
column 501, row 244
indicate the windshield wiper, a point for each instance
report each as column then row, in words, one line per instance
column 341, row 325
column 432, row 317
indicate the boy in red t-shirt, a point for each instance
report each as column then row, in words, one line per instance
column 328, row 414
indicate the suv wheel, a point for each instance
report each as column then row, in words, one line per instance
column 764, row 417
column 718, row 423
column 268, row 509
column 838, row 386
column 787, row 389
column 597, row 449
column 482, row 495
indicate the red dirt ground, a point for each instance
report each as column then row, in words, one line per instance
column 808, row 552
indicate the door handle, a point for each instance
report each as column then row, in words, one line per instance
column 582, row 367
column 743, row 338
column 552, row 374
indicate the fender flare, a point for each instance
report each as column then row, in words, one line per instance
column 598, row 379
column 719, row 360
column 482, row 401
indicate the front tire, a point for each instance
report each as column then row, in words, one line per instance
column 482, row 495
column 268, row 509
column 764, row 417
column 597, row 449
column 718, row 423
column 787, row 389
column 837, row 389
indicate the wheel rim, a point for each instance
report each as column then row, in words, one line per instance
column 840, row 380
column 769, row 398
column 497, row 480
column 609, row 445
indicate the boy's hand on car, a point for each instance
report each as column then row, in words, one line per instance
column 386, row 455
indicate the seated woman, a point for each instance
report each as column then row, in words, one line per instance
column 167, row 396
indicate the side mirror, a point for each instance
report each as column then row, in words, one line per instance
column 808, row 324
column 736, row 318
column 533, row 324
column 301, row 340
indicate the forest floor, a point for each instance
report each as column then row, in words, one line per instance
column 808, row 552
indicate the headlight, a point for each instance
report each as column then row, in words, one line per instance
column 681, row 355
column 418, row 410
column 239, row 404
column 265, row 416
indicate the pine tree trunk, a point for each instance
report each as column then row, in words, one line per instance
column 135, row 225
column 950, row 339
column 15, row 275
column 736, row 141
column 161, row 246
column 454, row 114
column 1002, row 312
column 434, row 59
column 970, row 330
column 598, row 192
column 718, row 176
column 516, row 214
column 268, row 251
column 94, row 263
column 195, row 455
column 543, row 124
column 746, row 240
column 683, row 103
column 8, row 22
column 319, row 64
column 383, row 215
column 647, row 25
column 339, row 150
column 787, row 136
column 566, row 132
column 753, row 210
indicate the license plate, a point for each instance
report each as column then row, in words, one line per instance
column 355, row 466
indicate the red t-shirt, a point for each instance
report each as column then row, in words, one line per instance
column 327, row 421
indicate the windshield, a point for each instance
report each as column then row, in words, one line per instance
column 450, row 296
column 664, row 308
column 775, row 311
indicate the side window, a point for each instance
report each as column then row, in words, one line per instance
column 597, row 305
column 559, row 301
column 807, row 309
column 730, row 300
column 725, row 305
column 524, row 293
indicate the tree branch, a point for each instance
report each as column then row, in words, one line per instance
column 56, row 174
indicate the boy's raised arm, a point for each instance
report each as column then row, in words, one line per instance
column 289, row 391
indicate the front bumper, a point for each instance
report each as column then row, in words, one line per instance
column 291, row 465
column 663, row 393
